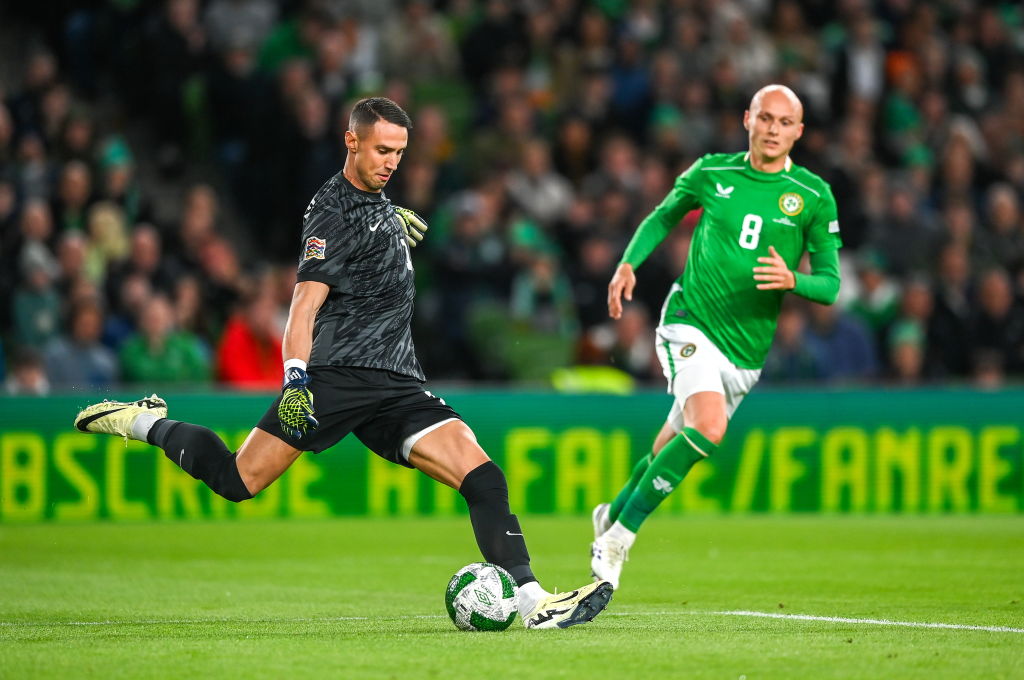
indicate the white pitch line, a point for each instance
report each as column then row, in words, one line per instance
column 870, row 622
column 333, row 619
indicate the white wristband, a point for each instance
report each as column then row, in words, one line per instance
column 294, row 363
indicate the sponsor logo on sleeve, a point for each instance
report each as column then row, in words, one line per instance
column 315, row 248
column 833, row 227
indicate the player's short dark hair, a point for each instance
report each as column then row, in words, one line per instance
column 368, row 111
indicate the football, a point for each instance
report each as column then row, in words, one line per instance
column 481, row 596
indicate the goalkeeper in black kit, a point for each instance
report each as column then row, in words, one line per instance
column 351, row 367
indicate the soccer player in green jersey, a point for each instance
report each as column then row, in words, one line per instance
column 761, row 212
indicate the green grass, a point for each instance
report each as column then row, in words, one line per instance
column 276, row 599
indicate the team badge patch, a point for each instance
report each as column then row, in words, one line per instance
column 315, row 248
column 791, row 204
column 687, row 351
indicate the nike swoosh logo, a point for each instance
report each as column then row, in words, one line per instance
column 379, row 222
column 509, row 533
column 84, row 422
column 181, row 456
column 569, row 596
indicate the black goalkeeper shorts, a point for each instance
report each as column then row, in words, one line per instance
column 383, row 409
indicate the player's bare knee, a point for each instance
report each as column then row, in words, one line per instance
column 712, row 428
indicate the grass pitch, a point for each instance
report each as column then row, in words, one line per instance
column 362, row 598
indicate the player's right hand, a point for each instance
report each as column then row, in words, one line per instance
column 621, row 285
column 295, row 411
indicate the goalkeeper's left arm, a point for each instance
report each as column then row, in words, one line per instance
column 296, row 409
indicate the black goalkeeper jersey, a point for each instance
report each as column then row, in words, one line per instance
column 353, row 241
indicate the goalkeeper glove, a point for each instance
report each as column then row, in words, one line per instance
column 295, row 411
column 414, row 225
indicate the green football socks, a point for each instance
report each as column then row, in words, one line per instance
column 634, row 477
column 663, row 475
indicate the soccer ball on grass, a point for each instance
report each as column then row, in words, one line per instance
column 481, row 596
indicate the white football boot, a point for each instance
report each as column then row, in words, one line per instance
column 606, row 557
column 116, row 417
column 600, row 518
column 561, row 610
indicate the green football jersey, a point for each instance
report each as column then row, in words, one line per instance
column 744, row 212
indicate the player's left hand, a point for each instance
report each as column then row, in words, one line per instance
column 775, row 275
column 414, row 225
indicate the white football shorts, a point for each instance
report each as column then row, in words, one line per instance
column 692, row 363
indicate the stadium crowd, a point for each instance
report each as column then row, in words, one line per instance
column 543, row 133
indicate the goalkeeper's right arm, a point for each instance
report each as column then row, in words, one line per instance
column 295, row 410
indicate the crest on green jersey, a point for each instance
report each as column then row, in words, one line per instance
column 688, row 350
column 791, row 204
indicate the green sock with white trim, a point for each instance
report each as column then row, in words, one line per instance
column 664, row 475
column 634, row 478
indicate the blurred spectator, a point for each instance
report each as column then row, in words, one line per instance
column 906, row 353
column 35, row 233
column 78, row 360
column 118, row 183
column 175, row 48
column 295, row 38
column 223, row 281
column 597, row 261
column 74, row 196
column 127, row 303
column 497, row 38
column 542, row 296
column 792, row 358
column 951, row 319
column 859, row 67
column 108, row 239
column 188, row 312
column 877, row 301
column 235, row 23
column 845, row 348
column 159, row 353
column 249, row 352
column 633, row 347
column 34, row 170
column 988, row 372
column 998, row 323
column 471, row 269
column 36, row 304
column 535, row 188
column 904, row 234
column 27, row 375
column 914, row 325
column 416, row 44
column 197, row 226
column 145, row 258
column 1005, row 228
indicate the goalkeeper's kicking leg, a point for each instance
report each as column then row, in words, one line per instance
column 451, row 455
column 197, row 450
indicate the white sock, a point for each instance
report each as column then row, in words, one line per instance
column 141, row 426
column 529, row 595
column 621, row 534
